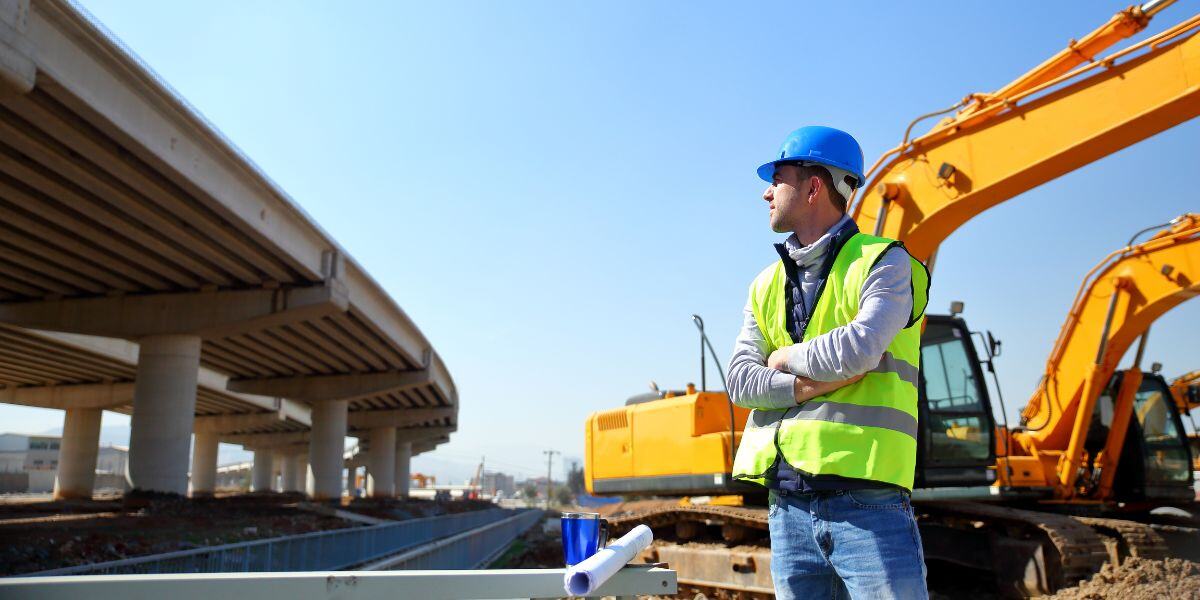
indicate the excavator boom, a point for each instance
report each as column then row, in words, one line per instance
column 1045, row 124
column 1117, row 302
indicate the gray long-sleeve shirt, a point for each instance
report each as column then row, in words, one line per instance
column 841, row 353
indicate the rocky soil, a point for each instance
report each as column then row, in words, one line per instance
column 1139, row 579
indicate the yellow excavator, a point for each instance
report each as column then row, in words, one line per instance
column 1074, row 108
column 1036, row 503
column 1186, row 392
column 1075, row 428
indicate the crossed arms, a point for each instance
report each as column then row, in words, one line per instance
column 794, row 374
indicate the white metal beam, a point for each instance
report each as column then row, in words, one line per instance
column 632, row 581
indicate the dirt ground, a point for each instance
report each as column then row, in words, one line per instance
column 399, row 510
column 1139, row 579
column 538, row 548
column 36, row 536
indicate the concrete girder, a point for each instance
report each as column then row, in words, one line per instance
column 81, row 395
column 403, row 417
column 267, row 440
column 18, row 72
column 419, row 434
column 428, row 445
column 127, row 351
column 321, row 388
column 209, row 314
column 229, row 424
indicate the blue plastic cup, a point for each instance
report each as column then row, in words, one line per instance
column 583, row 534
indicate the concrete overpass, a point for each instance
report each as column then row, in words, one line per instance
column 125, row 215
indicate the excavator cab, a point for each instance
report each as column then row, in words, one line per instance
column 1155, row 463
column 955, row 445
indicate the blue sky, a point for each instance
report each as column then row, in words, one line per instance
column 551, row 189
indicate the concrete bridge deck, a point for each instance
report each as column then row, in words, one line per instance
column 125, row 215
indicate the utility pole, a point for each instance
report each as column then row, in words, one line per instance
column 549, row 462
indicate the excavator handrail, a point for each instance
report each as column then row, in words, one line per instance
column 956, row 125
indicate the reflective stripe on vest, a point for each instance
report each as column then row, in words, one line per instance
column 867, row 430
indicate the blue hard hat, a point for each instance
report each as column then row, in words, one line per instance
column 816, row 144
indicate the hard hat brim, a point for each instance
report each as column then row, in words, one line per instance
column 767, row 171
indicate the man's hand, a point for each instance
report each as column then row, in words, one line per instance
column 806, row 389
column 779, row 358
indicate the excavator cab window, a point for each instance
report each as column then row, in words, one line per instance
column 1167, row 457
column 1155, row 460
column 956, row 432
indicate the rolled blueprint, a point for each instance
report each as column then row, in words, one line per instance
column 583, row 578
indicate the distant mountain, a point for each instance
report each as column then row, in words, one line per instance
column 117, row 435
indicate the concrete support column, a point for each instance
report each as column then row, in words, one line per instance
column 382, row 466
column 291, row 475
column 164, row 405
column 262, row 475
column 77, row 455
column 204, row 463
column 285, row 469
column 301, row 465
column 326, row 446
column 403, row 458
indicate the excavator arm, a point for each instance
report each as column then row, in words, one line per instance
column 1186, row 391
column 1052, row 120
column 1117, row 302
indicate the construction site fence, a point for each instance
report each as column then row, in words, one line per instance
column 318, row 551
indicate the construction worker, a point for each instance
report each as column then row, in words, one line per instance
column 827, row 357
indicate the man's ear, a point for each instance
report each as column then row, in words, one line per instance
column 814, row 188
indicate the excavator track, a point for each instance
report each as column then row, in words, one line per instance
column 1127, row 538
column 1076, row 551
column 1059, row 550
column 750, row 518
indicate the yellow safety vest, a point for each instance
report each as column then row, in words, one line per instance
column 866, row 430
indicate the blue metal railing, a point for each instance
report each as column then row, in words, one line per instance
column 473, row 549
column 318, row 551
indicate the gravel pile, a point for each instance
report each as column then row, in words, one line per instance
column 1140, row 579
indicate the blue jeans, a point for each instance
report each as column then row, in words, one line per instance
column 846, row 544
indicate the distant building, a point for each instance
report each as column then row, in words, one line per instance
column 111, row 461
column 498, row 483
column 28, row 462
column 234, row 477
